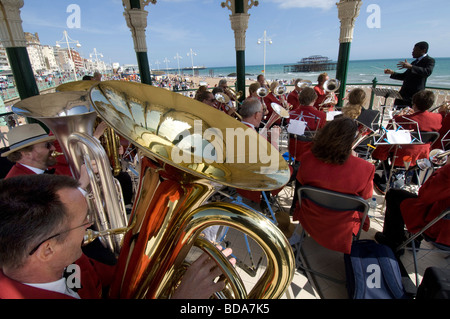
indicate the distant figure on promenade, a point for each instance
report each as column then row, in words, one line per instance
column 97, row 76
column 416, row 74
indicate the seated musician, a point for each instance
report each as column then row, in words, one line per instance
column 322, row 94
column 415, row 211
column 354, row 106
column 330, row 164
column 42, row 225
column 314, row 119
column 292, row 98
column 272, row 98
column 444, row 111
column 426, row 122
column 31, row 150
column 252, row 112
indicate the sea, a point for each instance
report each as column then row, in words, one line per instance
column 359, row 72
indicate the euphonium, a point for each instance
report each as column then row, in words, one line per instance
column 304, row 83
column 70, row 116
column 278, row 112
column 279, row 90
column 262, row 92
column 186, row 151
column 330, row 86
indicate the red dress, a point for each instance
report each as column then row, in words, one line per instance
column 427, row 122
column 433, row 198
column 331, row 230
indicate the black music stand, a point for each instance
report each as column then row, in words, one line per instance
column 386, row 93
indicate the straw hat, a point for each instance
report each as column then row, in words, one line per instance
column 25, row 135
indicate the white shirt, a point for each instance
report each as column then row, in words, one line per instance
column 57, row 286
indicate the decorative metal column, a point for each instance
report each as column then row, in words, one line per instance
column 13, row 39
column 136, row 18
column 239, row 23
column 348, row 11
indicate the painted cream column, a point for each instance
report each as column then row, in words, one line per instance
column 239, row 23
column 13, row 39
column 136, row 18
column 348, row 11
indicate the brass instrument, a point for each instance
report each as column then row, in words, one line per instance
column 110, row 140
column 330, row 86
column 438, row 156
column 180, row 166
column 235, row 96
column 362, row 133
column 279, row 90
column 278, row 112
column 304, row 83
column 56, row 154
column 262, row 92
column 70, row 116
column 224, row 99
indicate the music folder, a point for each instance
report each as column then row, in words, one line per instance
column 369, row 118
column 386, row 93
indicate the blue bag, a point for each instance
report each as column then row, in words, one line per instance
column 373, row 272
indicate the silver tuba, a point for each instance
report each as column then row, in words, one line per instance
column 330, row 86
column 70, row 117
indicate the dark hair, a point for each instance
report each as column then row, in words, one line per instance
column 17, row 155
column 333, row 143
column 307, row 96
column 423, row 100
column 30, row 211
column 422, row 45
column 203, row 95
column 87, row 77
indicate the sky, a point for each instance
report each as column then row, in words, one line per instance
column 297, row 28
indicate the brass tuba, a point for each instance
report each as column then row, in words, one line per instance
column 70, row 117
column 186, row 152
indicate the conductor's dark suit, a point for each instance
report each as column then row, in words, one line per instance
column 414, row 79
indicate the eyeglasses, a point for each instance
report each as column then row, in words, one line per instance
column 86, row 224
column 48, row 145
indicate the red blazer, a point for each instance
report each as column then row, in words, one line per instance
column 18, row 170
column 433, row 198
column 428, row 122
column 444, row 130
column 297, row 148
column 321, row 96
column 94, row 276
column 292, row 99
column 331, row 230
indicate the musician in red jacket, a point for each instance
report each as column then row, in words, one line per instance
column 331, row 165
column 415, row 211
column 306, row 112
column 31, row 150
column 43, row 219
column 292, row 98
column 426, row 122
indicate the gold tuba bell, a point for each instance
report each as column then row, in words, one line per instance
column 185, row 153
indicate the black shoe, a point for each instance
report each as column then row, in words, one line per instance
column 379, row 185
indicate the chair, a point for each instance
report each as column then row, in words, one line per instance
column 400, row 176
column 339, row 202
column 445, row 215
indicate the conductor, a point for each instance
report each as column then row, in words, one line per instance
column 416, row 74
